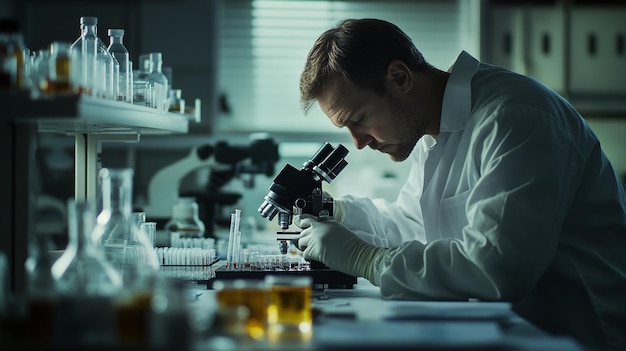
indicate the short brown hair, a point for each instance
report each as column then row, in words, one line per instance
column 359, row 50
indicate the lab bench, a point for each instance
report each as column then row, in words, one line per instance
column 360, row 319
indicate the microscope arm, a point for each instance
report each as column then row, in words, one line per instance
column 164, row 185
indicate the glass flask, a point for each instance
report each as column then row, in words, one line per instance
column 128, row 249
column 83, row 267
column 157, row 79
column 86, row 284
column 86, row 48
column 120, row 53
column 185, row 222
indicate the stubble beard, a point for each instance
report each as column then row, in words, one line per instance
column 410, row 127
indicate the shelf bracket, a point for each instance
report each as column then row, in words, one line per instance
column 88, row 162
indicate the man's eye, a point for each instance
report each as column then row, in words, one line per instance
column 360, row 120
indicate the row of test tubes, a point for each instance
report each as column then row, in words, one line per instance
column 245, row 259
column 186, row 263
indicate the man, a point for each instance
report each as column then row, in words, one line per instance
column 509, row 198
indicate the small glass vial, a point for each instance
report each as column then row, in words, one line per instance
column 59, row 69
column 175, row 101
column 120, row 53
column 185, row 222
column 142, row 90
column 158, row 81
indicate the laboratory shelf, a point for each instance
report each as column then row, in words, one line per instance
column 91, row 122
column 71, row 114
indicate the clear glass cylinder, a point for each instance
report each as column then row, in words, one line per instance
column 120, row 53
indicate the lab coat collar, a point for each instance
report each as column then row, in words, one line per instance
column 457, row 98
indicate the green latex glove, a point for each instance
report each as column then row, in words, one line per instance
column 336, row 246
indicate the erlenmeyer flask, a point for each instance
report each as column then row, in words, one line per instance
column 129, row 250
column 86, row 284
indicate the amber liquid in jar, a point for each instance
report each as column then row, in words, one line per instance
column 61, row 84
column 132, row 318
column 255, row 299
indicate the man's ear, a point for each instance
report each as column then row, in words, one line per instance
column 401, row 75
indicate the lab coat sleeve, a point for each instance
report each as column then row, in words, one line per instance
column 385, row 224
column 514, row 214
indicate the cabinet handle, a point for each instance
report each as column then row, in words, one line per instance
column 545, row 43
column 619, row 44
column 592, row 44
column 507, row 43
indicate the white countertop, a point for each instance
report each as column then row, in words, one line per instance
column 359, row 318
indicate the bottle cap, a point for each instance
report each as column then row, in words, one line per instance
column 116, row 32
column 89, row 21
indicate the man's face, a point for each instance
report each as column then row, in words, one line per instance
column 391, row 123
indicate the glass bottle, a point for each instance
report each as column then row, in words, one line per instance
column 86, row 48
column 39, row 71
column 158, row 81
column 15, row 52
column 175, row 101
column 142, row 90
column 185, row 222
column 8, row 65
column 59, row 69
column 85, row 283
column 120, row 53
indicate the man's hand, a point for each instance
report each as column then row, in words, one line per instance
column 336, row 246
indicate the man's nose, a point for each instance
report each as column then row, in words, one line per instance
column 360, row 140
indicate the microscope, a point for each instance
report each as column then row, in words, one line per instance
column 225, row 162
column 299, row 191
column 295, row 192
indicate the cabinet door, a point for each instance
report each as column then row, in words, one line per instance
column 506, row 38
column 597, row 51
column 529, row 40
column 544, row 52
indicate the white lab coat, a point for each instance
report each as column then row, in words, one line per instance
column 513, row 201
